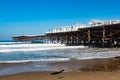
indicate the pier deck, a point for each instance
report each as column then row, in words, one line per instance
column 98, row 36
column 37, row 39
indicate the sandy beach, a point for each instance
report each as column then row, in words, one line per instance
column 64, row 76
column 91, row 69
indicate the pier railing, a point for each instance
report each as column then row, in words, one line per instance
column 92, row 23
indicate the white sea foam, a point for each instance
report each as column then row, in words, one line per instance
column 34, row 47
column 39, row 60
column 30, row 45
column 58, row 55
column 10, row 43
column 82, row 56
column 51, row 59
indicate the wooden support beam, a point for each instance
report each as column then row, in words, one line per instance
column 103, row 38
column 61, row 39
column 114, row 33
column 77, row 39
column 111, row 38
column 66, row 39
column 94, row 34
column 89, row 37
column 71, row 39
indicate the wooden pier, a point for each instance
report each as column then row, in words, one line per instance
column 30, row 38
column 98, row 36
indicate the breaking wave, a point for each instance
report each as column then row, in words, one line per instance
column 26, row 52
column 39, row 60
column 34, row 47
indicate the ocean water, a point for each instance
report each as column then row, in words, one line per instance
column 27, row 57
column 17, row 52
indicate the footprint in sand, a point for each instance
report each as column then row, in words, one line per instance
column 60, row 78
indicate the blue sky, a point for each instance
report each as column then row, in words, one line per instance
column 18, row 17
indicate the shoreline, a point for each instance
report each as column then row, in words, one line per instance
column 88, row 65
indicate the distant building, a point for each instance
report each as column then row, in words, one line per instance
column 91, row 23
column 67, row 28
column 102, row 22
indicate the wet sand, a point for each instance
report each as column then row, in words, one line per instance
column 64, row 76
column 92, row 69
